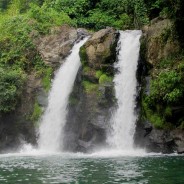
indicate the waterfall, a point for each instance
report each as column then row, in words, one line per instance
column 124, row 118
column 54, row 118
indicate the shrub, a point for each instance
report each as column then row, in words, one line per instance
column 167, row 87
column 11, row 85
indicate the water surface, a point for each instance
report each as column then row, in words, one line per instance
column 81, row 169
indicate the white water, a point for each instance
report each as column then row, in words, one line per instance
column 54, row 118
column 124, row 118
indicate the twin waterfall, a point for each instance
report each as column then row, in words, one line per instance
column 54, row 118
column 123, row 119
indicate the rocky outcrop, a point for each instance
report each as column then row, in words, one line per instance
column 100, row 48
column 159, row 41
column 158, row 44
column 159, row 140
column 92, row 99
column 55, row 47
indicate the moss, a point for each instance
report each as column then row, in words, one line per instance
column 168, row 112
column 98, row 74
column 105, row 79
column 89, row 87
column 182, row 125
column 166, row 34
column 157, row 114
column 46, row 80
column 83, row 55
column 152, row 116
column 86, row 69
column 37, row 111
column 73, row 100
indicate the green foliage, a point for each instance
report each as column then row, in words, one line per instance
column 97, row 20
column 105, row 79
column 157, row 118
column 168, row 111
column 47, row 17
column 83, row 55
column 4, row 4
column 46, row 80
column 19, row 30
column 166, row 92
column 86, row 69
column 89, row 87
column 124, row 22
column 98, row 74
column 18, row 51
column 37, row 112
column 16, row 46
column 120, row 14
column 72, row 7
column 11, row 85
column 157, row 121
column 167, row 87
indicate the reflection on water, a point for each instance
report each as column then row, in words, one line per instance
column 86, row 170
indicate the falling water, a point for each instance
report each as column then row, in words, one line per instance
column 124, row 118
column 54, row 118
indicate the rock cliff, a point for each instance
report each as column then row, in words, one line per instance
column 20, row 125
column 92, row 99
column 159, row 128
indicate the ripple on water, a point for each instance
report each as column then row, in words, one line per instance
column 87, row 169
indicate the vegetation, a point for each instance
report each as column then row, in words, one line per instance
column 105, row 79
column 11, row 84
column 18, row 51
column 89, row 86
column 24, row 21
column 46, row 79
column 37, row 111
column 166, row 93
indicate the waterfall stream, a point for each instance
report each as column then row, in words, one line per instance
column 54, row 118
column 124, row 118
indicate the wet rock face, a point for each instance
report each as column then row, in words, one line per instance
column 92, row 99
column 88, row 117
column 157, row 140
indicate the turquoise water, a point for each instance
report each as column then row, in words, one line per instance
column 75, row 169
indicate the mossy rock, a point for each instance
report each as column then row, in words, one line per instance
column 37, row 112
column 89, row 87
column 83, row 55
column 105, row 79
